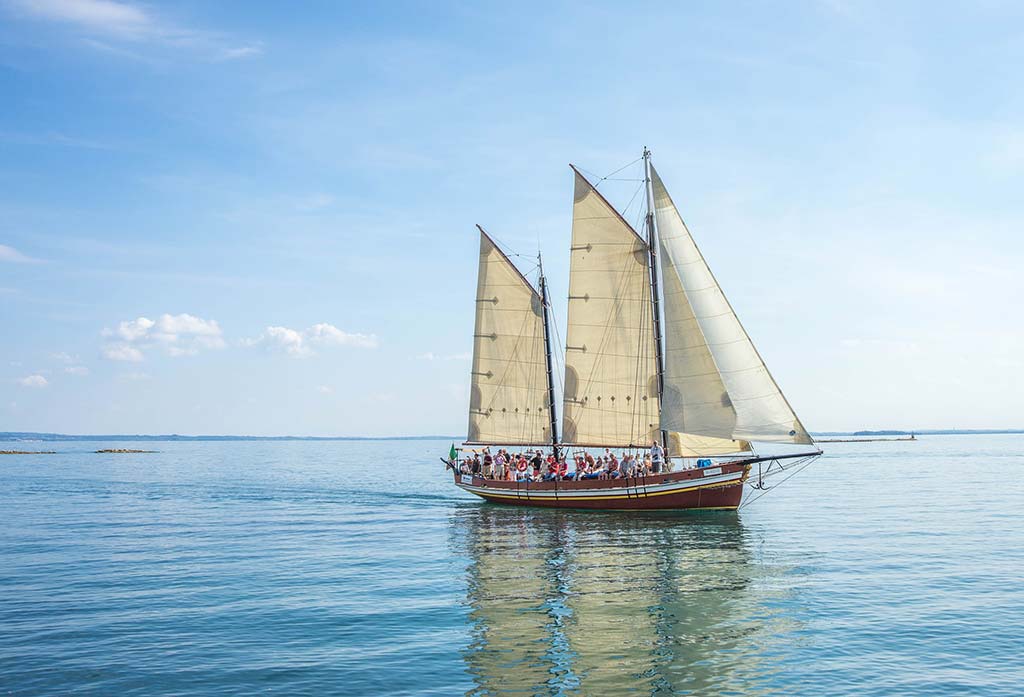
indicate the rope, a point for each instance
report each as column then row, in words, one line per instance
column 625, row 211
column 612, row 174
column 797, row 469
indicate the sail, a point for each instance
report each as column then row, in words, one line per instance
column 689, row 445
column 509, row 392
column 611, row 391
column 715, row 381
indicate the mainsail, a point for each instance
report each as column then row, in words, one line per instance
column 610, row 376
column 509, row 390
column 716, row 383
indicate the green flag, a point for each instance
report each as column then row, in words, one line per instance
column 452, row 454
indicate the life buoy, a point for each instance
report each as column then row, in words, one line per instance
column 521, row 466
column 562, row 469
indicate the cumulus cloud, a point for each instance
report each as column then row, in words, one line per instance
column 76, row 370
column 176, row 335
column 302, row 343
column 122, row 352
column 33, row 381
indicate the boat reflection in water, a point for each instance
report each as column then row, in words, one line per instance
column 563, row 601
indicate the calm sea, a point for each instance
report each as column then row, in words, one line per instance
column 319, row 568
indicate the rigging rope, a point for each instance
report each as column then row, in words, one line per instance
column 797, row 467
column 612, row 174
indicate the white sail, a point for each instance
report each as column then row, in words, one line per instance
column 509, row 393
column 689, row 445
column 611, row 392
column 715, row 381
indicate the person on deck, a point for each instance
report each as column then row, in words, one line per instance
column 613, row 468
column 552, row 473
column 657, row 453
column 536, row 461
column 488, row 464
column 522, row 469
column 562, row 469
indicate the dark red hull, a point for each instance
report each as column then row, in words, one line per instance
column 713, row 488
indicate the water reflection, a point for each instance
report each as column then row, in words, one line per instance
column 571, row 602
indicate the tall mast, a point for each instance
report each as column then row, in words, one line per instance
column 547, row 357
column 652, row 249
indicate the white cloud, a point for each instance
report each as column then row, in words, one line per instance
column 33, row 381
column 64, row 357
column 13, row 255
column 301, row 343
column 178, row 335
column 131, row 330
column 134, row 377
column 77, row 370
column 122, row 352
column 127, row 22
column 324, row 389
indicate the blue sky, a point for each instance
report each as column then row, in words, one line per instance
column 258, row 218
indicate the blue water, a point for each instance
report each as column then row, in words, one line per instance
column 355, row 568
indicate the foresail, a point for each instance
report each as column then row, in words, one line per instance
column 689, row 445
column 508, row 394
column 611, row 394
column 715, row 382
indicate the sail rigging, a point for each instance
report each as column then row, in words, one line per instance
column 716, row 383
column 509, row 393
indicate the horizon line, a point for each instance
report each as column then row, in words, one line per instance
column 52, row 435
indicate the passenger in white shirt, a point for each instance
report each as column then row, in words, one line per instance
column 656, row 455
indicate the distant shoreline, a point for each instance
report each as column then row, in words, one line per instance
column 16, row 436
column 26, row 436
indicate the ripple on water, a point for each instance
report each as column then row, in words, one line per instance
column 286, row 568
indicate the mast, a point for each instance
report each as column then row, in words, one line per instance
column 547, row 358
column 652, row 247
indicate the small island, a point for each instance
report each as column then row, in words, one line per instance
column 124, row 450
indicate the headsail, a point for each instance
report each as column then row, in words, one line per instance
column 509, row 390
column 610, row 377
column 716, row 383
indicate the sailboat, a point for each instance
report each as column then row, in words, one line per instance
column 654, row 353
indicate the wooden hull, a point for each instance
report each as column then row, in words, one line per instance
column 712, row 488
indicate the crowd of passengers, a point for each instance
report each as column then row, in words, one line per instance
column 533, row 466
